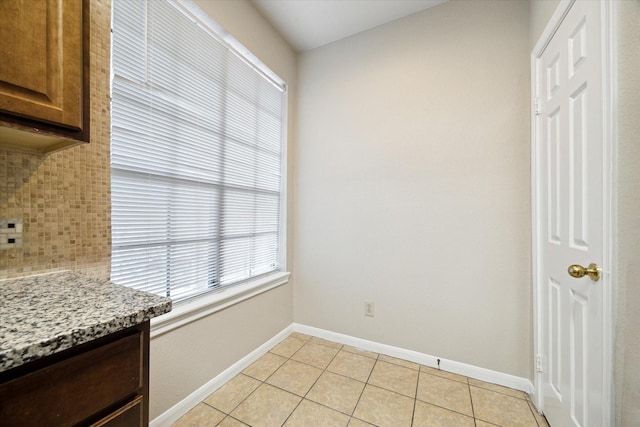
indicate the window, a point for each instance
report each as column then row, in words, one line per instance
column 196, row 153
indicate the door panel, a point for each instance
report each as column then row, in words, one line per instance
column 570, row 179
column 553, row 180
column 578, row 197
column 555, row 334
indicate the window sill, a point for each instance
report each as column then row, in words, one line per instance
column 189, row 311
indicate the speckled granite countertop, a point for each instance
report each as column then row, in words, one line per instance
column 42, row 315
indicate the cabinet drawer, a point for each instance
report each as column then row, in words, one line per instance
column 68, row 392
column 130, row 415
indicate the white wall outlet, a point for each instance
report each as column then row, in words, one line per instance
column 368, row 308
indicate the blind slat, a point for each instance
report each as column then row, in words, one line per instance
column 195, row 155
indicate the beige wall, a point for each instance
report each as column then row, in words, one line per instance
column 541, row 11
column 64, row 199
column 186, row 358
column 412, row 185
column 627, row 373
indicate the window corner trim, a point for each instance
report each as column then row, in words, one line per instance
column 191, row 310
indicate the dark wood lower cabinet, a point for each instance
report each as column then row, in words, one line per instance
column 101, row 383
column 131, row 414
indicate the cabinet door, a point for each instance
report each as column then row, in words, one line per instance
column 75, row 389
column 41, row 76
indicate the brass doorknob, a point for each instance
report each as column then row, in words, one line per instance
column 593, row 271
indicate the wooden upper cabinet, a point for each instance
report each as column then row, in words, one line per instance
column 44, row 73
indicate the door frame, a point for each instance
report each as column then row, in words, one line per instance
column 609, row 273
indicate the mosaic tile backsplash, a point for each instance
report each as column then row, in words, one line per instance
column 64, row 198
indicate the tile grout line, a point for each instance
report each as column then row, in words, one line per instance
column 327, row 368
column 242, row 401
column 534, row 415
column 443, row 407
column 307, row 341
column 262, row 382
column 233, row 418
column 448, row 409
column 473, row 411
column 239, row 403
column 364, row 388
column 339, row 349
column 273, row 373
column 415, row 400
column 350, row 415
column 495, row 391
column 377, row 359
column 314, row 383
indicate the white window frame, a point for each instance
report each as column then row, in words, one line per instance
column 197, row 307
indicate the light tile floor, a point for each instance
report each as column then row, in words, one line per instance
column 310, row 382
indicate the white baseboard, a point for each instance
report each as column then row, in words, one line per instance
column 172, row 414
column 179, row 409
column 471, row 371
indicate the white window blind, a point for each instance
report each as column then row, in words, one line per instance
column 196, row 141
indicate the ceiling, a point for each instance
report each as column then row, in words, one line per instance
column 307, row 24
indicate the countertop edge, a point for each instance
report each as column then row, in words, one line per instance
column 144, row 307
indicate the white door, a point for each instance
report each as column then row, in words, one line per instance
column 570, row 208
